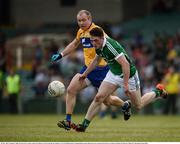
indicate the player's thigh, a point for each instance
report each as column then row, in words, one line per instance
column 106, row 89
column 136, row 97
column 77, row 85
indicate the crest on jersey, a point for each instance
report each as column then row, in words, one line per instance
column 86, row 42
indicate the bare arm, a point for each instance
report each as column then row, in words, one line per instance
column 125, row 69
column 92, row 66
column 70, row 47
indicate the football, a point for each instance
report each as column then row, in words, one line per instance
column 56, row 88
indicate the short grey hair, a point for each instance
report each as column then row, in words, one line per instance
column 86, row 12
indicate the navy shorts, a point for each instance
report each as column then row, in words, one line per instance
column 97, row 75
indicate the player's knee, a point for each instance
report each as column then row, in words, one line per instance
column 107, row 102
column 71, row 90
column 99, row 98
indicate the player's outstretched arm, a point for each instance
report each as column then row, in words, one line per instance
column 68, row 49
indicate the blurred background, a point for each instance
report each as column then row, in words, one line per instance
column 32, row 30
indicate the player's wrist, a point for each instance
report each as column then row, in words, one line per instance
column 56, row 57
column 85, row 74
column 61, row 54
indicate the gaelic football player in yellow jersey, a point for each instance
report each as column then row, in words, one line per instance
column 84, row 20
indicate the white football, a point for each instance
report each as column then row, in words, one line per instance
column 56, row 88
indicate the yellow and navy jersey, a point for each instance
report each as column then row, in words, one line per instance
column 89, row 51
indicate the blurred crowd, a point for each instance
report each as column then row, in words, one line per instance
column 158, row 61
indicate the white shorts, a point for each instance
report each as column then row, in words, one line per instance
column 134, row 82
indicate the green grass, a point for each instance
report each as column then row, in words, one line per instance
column 36, row 128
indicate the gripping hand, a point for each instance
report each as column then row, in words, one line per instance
column 56, row 57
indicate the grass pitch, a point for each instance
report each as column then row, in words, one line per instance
column 43, row 128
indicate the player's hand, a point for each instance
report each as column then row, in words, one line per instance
column 56, row 57
column 82, row 77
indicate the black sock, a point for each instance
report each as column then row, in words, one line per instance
column 125, row 106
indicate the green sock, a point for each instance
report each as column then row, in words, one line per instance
column 158, row 92
column 85, row 123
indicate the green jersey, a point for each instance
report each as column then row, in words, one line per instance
column 110, row 52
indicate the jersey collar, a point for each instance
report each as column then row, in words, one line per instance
column 92, row 24
column 104, row 42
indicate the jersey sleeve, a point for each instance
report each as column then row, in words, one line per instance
column 118, row 56
column 78, row 35
column 115, row 50
column 119, row 50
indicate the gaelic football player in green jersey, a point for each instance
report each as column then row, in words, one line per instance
column 122, row 73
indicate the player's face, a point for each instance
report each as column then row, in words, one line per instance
column 83, row 21
column 97, row 42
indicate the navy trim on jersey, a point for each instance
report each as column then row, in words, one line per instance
column 86, row 42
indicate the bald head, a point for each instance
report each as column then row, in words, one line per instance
column 84, row 19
